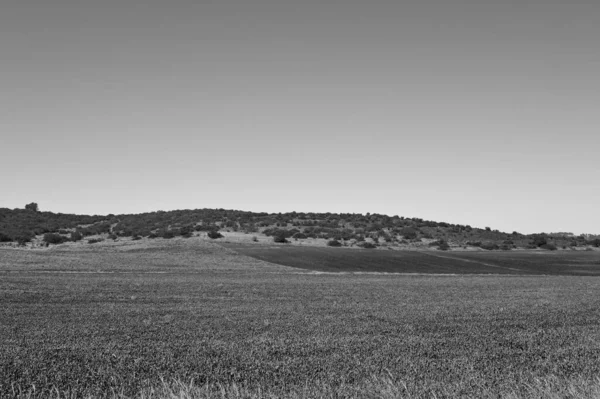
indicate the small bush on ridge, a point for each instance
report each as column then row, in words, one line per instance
column 214, row 234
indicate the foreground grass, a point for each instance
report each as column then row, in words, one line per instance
column 207, row 328
column 374, row 387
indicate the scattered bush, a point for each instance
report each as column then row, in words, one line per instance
column 300, row 236
column 490, row 246
column 255, row 238
column 214, row 234
column 168, row 234
column 409, row 233
column 95, row 240
column 5, row 238
column 136, row 238
column 539, row 239
column 76, row 236
column 334, row 243
column 53, row 238
column 366, row 245
column 549, row 247
column 280, row 240
column 440, row 244
column 595, row 242
column 32, row 207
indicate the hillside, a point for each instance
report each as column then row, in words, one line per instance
column 21, row 226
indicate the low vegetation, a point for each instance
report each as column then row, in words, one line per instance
column 184, row 318
column 23, row 225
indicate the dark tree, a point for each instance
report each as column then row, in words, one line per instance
column 214, row 234
column 32, row 207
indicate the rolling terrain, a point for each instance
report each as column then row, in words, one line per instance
column 230, row 304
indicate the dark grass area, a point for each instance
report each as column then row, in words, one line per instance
column 326, row 259
column 255, row 324
column 100, row 332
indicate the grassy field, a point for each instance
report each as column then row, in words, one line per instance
column 188, row 318
column 327, row 259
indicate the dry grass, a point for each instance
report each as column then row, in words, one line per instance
column 372, row 388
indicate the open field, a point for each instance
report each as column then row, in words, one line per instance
column 327, row 259
column 117, row 319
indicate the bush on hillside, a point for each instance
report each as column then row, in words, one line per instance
column 440, row 244
column 53, row 238
column 76, row 236
column 366, row 245
column 539, row 239
column 594, row 242
column 490, row 246
column 409, row 233
column 32, row 207
column 23, row 237
column 214, row 234
column 549, row 247
column 168, row 234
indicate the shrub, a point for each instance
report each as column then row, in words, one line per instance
column 95, row 240
column 113, row 237
column 334, row 243
column 490, row 246
column 539, row 239
column 76, row 236
column 32, row 207
column 136, row 238
column 367, row 245
column 440, row 244
column 299, row 236
column 409, row 233
column 255, row 238
column 5, row 238
column 167, row 234
column 595, row 242
column 53, row 238
column 23, row 237
column 214, row 234
column 549, row 247
column 280, row 239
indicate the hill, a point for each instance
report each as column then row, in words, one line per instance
column 20, row 226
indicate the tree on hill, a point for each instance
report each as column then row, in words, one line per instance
column 32, row 207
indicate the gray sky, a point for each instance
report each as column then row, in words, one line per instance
column 475, row 112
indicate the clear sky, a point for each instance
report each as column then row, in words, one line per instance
column 479, row 112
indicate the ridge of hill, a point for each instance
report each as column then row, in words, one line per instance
column 340, row 229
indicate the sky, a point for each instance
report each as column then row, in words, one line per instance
column 480, row 112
